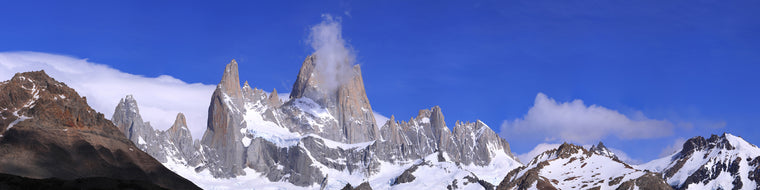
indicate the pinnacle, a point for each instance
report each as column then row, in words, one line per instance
column 180, row 120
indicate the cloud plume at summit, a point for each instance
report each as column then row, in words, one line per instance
column 335, row 57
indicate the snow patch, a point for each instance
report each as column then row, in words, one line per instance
column 140, row 140
column 425, row 120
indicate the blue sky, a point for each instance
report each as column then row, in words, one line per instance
column 692, row 64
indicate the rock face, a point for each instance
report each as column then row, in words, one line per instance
column 353, row 120
column 719, row 162
column 573, row 167
column 225, row 120
column 174, row 145
column 48, row 130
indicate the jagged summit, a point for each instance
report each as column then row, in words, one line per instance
column 352, row 118
column 230, row 83
column 602, row 150
column 127, row 117
column 571, row 166
column 50, row 131
column 329, row 138
column 180, row 123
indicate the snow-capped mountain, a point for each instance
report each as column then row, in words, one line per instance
column 573, row 167
column 719, row 162
column 321, row 139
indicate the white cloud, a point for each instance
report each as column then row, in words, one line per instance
column 335, row 59
column 574, row 121
column 673, row 148
column 540, row 148
column 159, row 98
column 380, row 119
column 624, row 157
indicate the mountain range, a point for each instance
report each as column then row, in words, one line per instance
column 320, row 138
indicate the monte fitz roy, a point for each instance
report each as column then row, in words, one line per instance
column 316, row 138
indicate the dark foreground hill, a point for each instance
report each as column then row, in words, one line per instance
column 48, row 131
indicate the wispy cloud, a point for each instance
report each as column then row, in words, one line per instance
column 575, row 122
column 335, row 58
column 160, row 98
column 540, row 148
column 380, row 119
column 673, row 148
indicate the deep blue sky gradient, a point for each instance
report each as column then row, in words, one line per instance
column 683, row 61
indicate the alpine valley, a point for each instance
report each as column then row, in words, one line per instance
column 316, row 138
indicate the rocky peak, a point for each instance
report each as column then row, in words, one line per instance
column 348, row 104
column 180, row 123
column 274, row 99
column 700, row 143
column 602, row 150
column 306, row 79
column 230, row 83
column 179, row 134
column 28, row 94
column 125, row 114
column 225, row 120
column 567, row 149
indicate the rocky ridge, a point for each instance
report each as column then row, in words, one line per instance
column 573, row 167
column 330, row 139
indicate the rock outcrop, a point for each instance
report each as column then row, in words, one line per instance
column 48, row 131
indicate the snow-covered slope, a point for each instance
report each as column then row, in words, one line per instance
column 573, row 167
column 720, row 162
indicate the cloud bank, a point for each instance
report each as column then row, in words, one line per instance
column 335, row 59
column 575, row 122
column 159, row 98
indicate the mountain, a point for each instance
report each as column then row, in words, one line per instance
column 49, row 131
column 600, row 149
column 573, row 167
column 321, row 139
column 173, row 145
column 719, row 162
